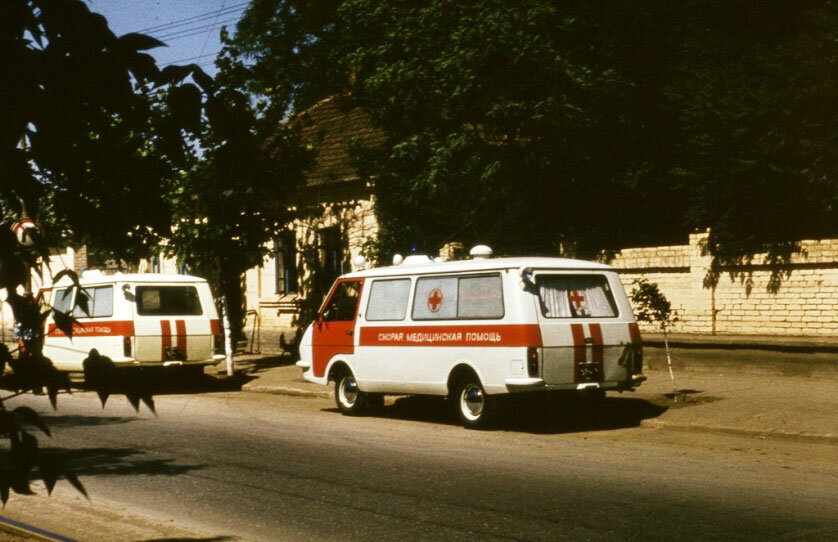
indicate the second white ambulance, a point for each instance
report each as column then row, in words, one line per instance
column 137, row 320
column 472, row 330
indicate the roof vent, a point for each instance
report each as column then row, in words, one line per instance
column 417, row 259
column 91, row 273
column 481, row 252
column 397, row 259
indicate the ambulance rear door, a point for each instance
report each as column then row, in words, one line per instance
column 171, row 323
column 585, row 324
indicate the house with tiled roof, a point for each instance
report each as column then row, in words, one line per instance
column 336, row 215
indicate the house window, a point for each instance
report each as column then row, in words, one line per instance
column 285, row 256
column 330, row 250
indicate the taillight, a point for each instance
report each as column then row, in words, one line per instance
column 532, row 361
column 638, row 357
column 126, row 346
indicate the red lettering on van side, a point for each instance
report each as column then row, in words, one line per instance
column 100, row 328
column 452, row 335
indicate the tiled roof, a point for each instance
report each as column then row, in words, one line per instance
column 332, row 125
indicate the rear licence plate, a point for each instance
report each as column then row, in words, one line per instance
column 174, row 354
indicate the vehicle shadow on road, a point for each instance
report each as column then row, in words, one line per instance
column 165, row 381
column 537, row 415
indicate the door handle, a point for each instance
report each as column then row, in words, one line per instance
column 350, row 332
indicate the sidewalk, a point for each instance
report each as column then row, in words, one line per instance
column 799, row 407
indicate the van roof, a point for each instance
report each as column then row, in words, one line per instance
column 97, row 277
column 489, row 264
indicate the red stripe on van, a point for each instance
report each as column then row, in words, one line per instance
column 166, row 338
column 579, row 349
column 597, row 349
column 634, row 333
column 97, row 329
column 471, row 335
column 180, row 326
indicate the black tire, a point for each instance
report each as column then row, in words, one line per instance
column 350, row 400
column 474, row 408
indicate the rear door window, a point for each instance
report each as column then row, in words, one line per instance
column 168, row 301
column 575, row 296
column 95, row 302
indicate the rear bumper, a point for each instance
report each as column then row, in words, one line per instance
column 514, row 385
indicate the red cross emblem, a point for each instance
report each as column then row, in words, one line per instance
column 435, row 300
column 578, row 301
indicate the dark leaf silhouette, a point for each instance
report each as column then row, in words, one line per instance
column 99, row 374
column 139, row 42
column 32, row 417
column 49, row 471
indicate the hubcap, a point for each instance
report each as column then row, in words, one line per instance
column 348, row 391
column 471, row 401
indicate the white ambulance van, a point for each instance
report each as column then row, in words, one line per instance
column 136, row 320
column 473, row 330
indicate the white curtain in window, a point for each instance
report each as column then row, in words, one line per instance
column 553, row 294
column 598, row 305
column 575, row 296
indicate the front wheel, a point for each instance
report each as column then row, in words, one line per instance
column 350, row 400
column 473, row 407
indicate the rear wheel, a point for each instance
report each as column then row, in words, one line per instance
column 473, row 407
column 350, row 400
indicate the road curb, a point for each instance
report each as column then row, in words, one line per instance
column 741, row 431
column 283, row 390
column 23, row 530
column 650, row 423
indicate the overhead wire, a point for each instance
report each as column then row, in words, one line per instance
column 195, row 18
column 188, row 32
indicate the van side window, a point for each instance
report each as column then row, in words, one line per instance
column 436, row 298
column 467, row 297
column 94, row 302
column 168, row 301
column 343, row 303
column 61, row 300
column 388, row 300
column 575, row 296
column 480, row 297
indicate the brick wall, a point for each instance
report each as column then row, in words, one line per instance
column 806, row 303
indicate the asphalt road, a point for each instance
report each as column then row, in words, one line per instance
column 263, row 467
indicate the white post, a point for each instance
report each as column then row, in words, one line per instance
column 228, row 340
column 669, row 364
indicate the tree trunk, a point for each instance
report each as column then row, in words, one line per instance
column 228, row 339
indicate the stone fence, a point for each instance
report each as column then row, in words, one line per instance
column 806, row 303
